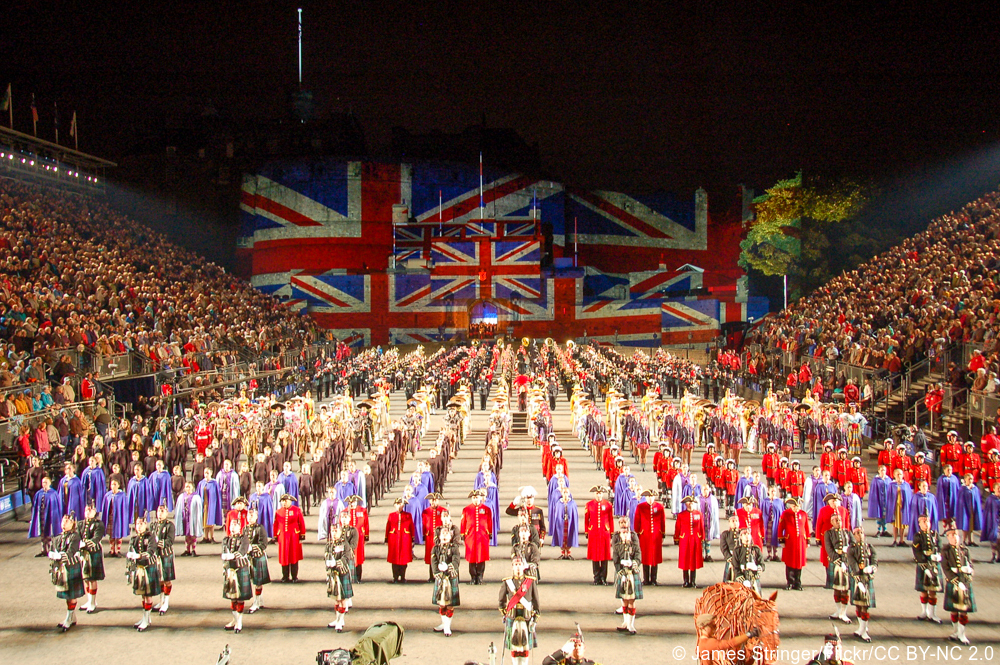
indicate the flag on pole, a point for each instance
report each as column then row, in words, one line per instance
column 72, row 132
column 34, row 115
column 5, row 102
column 55, row 108
column 481, row 207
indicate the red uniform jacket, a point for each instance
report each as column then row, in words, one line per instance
column 598, row 523
column 793, row 531
column 289, row 530
column 823, row 525
column 951, row 453
column 707, row 462
column 991, row 474
column 781, row 477
column 859, row 478
column 477, row 527
column 839, row 471
column 921, row 472
column 689, row 532
column 729, row 478
column 399, row 532
column 359, row 520
column 753, row 520
column 972, row 463
column 826, row 461
column 432, row 520
column 887, row 458
column 650, row 525
column 769, row 463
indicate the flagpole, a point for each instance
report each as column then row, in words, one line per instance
column 482, row 212
column 76, row 134
column 34, row 116
column 576, row 237
column 55, row 107
column 10, row 104
column 440, row 210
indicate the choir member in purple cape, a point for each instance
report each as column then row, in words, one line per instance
column 692, row 487
column 757, row 488
column 344, row 488
column 922, row 503
column 138, row 497
column 289, row 480
column 486, row 480
column 46, row 515
column 770, row 512
column 852, row 502
column 681, row 480
column 188, row 518
column 947, row 493
column 991, row 521
column 553, row 490
column 632, row 500
column 564, row 523
column 211, row 501
column 970, row 509
column 427, row 478
column 95, row 484
column 265, row 509
column 622, row 506
column 275, row 488
column 71, row 493
column 229, row 485
column 819, row 491
column 357, row 476
column 879, row 508
column 415, row 497
column 329, row 510
column 744, row 481
column 115, row 516
column 161, row 487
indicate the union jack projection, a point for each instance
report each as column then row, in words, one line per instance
column 400, row 253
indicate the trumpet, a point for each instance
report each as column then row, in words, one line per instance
column 525, row 341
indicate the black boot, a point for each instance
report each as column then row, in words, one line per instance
column 284, row 573
column 652, row 575
column 596, row 566
column 604, row 572
column 694, row 582
column 645, row 575
column 687, row 577
column 295, row 572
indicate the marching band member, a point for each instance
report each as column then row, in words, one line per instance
column 236, row 568
column 65, row 569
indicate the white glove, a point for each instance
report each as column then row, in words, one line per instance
column 752, row 565
column 966, row 569
column 330, row 563
column 443, row 567
column 747, row 583
column 228, row 556
column 338, row 548
column 132, row 555
column 626, row 563
column 55, row 556
column 935, row 557
column 961, row 586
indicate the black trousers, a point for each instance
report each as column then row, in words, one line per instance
column 292, row 570
column 600, row 571
column 690, row 577
column 357, row 572
column 793, row 577
column 476, row 571
column 399, row 572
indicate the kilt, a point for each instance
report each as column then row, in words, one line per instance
column 259, row 574
column 519, row 634
column 956, row 600
column 71, row 575
column 338, row 584
column 167, row 572
column 146, row 581
column 838, row 578
column 442, row 583
column 862, row 593
column 931, row 581
column 92, row 564
column 628, row 585
column 236, row 584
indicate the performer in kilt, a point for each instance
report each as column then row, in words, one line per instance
column 519, row 607
column 959, row 598
column 163, row 530
column 65, row 569
column 91, row 531
column 927, row 554
column 748, row 562
column 236, row 573
column 836, row 542
column 627, row 557
column 257, row 538
column 340, row 568
column 863, row 562
column 446, row 559
column 144, row 569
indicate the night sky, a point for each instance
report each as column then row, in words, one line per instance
column 632, row 96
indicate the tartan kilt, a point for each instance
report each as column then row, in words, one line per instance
column 338, row 585
column 443, row 581
column 865, row 596
column 628, row 585
column 956, row 601
column 146, row 581
column 167, row 572
column 838, row 578
column 92, row 564
column 236, row 584
column 924, row 584
column 518, row 634
column 73, row 580
column 259, row 574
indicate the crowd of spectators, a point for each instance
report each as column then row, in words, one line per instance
column 933, row 290
column 75, row 275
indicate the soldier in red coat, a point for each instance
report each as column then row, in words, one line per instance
column 825, row 519
column 399, row 532
column 781, row 475
column 793, row 533
column 840, row 466
column 650, row 525
column 359, row 520
column 751, row 518
column 769, row 462
column 858, row 476
column 432, row 520
column 689, row 532
column 477, row 528
column 921, row 471
column 971, row 462
column 598, row 524
column 289, row 531
column 828, row 457
column 796, row 481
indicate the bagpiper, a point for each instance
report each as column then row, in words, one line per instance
column 91, row 531
column 340, row 545
column 959, row 597
column 163, row 530
column 836, row 542
column 236, row 573
column 519, row 607
column 446, row 559
column 627, row 557
column 863, row 563
column 65, row 569
column 143, row 569
column 259, row 573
